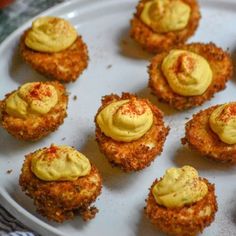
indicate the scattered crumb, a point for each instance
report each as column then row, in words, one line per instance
column 186, row 118
column 123, row 41
column 109, row 66
column 89, row 213
column 74, row 97
column 9, row 171
column 63, row 138
column 227, row 49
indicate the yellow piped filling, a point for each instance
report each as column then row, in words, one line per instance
column 32, row 98
column 125, row 120
column 223, row 122
column 50, row 34
column 59, row 163
column 164, row 16
column 187, row 73
column 179, row 187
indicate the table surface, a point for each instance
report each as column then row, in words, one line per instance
column 17, row 13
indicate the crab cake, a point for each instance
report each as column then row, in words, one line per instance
column 181, row 203
column 53, row 47
column 158, row 25
column 189, row 75
column 130, row 131
column 34, row 110
column 62, row 182
column 212, row 132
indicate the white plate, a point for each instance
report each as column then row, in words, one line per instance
column 104, row 26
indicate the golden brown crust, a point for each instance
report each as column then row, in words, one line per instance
column 34, row 127
column 61, row 200
column 64, row 66
column 200, row 137
column 154, row 42
column 221, row 66
column 184, row 221
column 135, row 155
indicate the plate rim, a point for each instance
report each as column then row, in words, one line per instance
column 19, row 212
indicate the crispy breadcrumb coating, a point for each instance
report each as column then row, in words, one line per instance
column 221, row 66
column 156, row 42
column 185, row 221
column 34, row 127
column 64, row 66
column 62, row 200
column 200, row 137
column 138, row 154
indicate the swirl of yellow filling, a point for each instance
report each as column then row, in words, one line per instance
column 223, row 122
column 32, row 98
column 179, row 187
column 125, row 120
column 187, row 73
column 58, row 163
column 50, row 34
column 166, row 15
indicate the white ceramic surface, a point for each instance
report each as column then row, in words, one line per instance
column 116, row 64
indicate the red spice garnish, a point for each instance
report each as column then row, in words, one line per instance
column 38, row 91
column 232, row 109
column 228, row 112
column 47, row 92
column 178, row 65
column 52, row 149
column 187, row 60
column 134, row 107
column 50, row 153
column 34, row 92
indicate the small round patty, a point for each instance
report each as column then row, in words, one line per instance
column 157, row 42
column 61, row 200
column 221, row 66
column 34, row 127
column 64, row 66
column 200, row 137
column 137, row 154
column 185, row 221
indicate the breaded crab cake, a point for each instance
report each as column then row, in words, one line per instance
column 130, row 131
column 212, row 132
column 62, row 182
column 158, row 25
column 53, row 47
column 181, row 203
column 189, row 75
column 34, row 110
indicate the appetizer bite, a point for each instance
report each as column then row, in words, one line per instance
column 62, row 182
column 212, row 132
column 130, row 131
column 189, row 75
column 34, row 110
column 181, row 203
column 159, row 25
column 53, row 47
